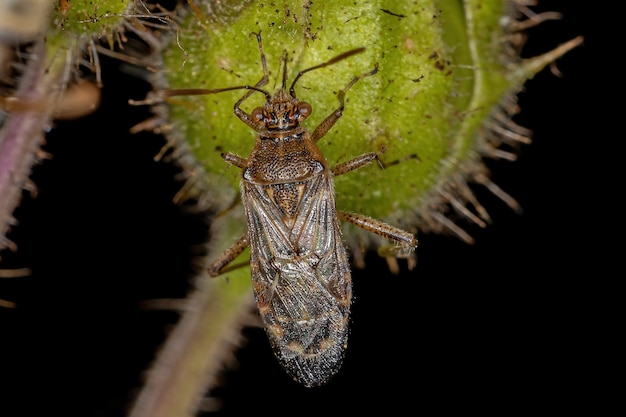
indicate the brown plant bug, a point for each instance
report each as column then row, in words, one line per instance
column 300, row 271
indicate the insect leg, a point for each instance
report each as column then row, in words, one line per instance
column 353, row 164
column 330, row 121
column 407, row 240
column 218, row 266
column 245, row 117
column 233, row 159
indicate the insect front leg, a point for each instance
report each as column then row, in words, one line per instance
column 330, row 121
column 218, row 266
column 242, row 115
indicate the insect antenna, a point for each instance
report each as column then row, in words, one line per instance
column 204, row 91
column 340, row 57
column 284, row 59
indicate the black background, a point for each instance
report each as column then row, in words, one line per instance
column 497, row 327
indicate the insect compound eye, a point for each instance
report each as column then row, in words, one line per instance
column 257, row 114
column 304, row 109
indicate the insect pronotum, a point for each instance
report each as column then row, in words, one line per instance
column 300, row 271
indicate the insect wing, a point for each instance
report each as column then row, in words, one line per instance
column 301, row 277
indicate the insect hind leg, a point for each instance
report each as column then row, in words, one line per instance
column 406, row 241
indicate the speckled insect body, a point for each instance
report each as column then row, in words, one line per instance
column 300, row 270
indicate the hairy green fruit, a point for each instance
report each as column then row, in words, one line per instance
column 442, row 100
